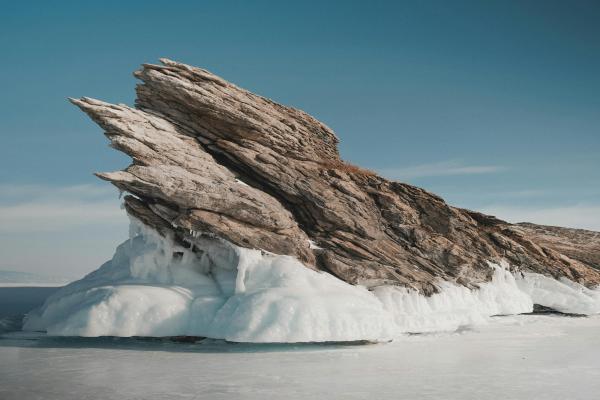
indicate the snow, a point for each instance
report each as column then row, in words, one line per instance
column 562, row 295
column 512, row 357
column 454, row 306
column 154, row 287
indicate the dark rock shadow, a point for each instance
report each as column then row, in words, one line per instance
column 539, row 309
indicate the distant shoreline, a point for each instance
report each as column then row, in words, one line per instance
column 40, row 284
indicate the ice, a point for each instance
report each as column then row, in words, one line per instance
column 454, row 306
column 562, row 295
column 515, row 357
column 154, row 287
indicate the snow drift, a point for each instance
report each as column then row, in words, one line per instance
column 153, row 287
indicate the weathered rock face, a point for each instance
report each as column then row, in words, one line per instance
column 211, row 157
column 579, row 244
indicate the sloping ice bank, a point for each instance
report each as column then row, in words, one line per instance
column 153, row 287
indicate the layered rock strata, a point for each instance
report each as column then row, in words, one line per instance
column 210, row 158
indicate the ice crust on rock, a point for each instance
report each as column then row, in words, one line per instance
column 153, row 287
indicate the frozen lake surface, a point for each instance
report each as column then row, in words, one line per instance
column 518, row 357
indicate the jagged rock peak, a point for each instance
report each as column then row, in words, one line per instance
column 211, row 157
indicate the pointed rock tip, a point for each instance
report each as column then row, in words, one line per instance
column 115, row 176
column 86, row 101
column 79, row 102
column 167, row 61
column 102, row 175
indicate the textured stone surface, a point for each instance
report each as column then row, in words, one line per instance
column 211, row 157
column 579, row 244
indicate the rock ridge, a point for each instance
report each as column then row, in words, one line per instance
column 211, row 158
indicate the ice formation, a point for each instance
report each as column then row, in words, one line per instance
column 562, row 295
column 454, row 306
column 153, row 287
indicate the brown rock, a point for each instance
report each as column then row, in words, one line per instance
column 213, row 158
column 579, row 244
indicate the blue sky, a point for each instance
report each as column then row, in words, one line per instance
column 495, row 105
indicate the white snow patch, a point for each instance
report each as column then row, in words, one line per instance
column 454, row 306
column 153, row 287
column 562, row 295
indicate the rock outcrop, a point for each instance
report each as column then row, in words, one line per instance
column 211, row 158
column 579, row 244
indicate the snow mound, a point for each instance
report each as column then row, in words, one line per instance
column 454, row 306
column 562, row 295
column 153, row 287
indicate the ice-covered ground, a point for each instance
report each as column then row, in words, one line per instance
column 514, row 357
column 153, row 287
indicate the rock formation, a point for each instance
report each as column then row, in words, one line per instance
column 579, row 244
column 211, row 158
